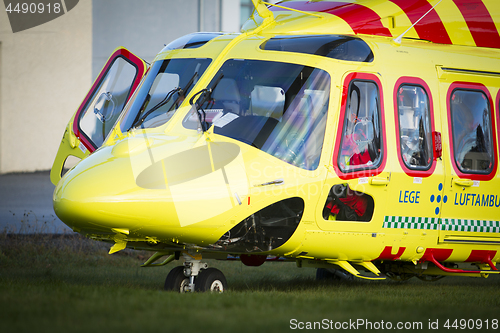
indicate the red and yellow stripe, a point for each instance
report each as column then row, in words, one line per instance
column 461, row 22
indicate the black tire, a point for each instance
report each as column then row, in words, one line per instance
column 176, row 280
column 323, row 274
column 210, row 279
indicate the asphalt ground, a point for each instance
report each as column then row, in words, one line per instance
column 26, row 204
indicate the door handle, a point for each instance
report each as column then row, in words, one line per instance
column 463, row 182
column 379, row 181
column 280, row 181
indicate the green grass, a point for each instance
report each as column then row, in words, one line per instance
column 71, row 284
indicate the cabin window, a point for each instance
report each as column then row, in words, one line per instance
column 279, row 108
column 361, row 134
column 472, row 131
column 345, row 204
column 415, row 131
column 331, row 46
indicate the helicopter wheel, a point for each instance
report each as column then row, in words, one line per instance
column 399, row 277
column 430, row 278
column 176, row 280
column 210, row 279
column 324, row 274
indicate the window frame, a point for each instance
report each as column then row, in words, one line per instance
column 363, row 172
column 131, row 59
column 471, row 86
column 498, row 117
column 291, row 45
column 416, row 82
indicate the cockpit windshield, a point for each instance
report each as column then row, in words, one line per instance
column 162, row 92
column 279, row 108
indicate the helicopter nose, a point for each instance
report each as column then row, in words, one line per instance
column 101, row 193
column 192, row 186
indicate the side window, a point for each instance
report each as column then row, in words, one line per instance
column 107, row 102
column 361, row 142
column 415, row 130
column 346, row 204
column 472, row 130
column 498, row 117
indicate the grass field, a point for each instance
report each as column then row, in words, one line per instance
column 70, row 284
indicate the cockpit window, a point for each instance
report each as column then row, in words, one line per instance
column 191, row 41
column 330, row 46
column 276, row 107
column 162, row 91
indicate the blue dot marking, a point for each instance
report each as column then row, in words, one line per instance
column 439, row 199
column 445, row 198
column 437, row 210
column 432, row 198
column 440, row 187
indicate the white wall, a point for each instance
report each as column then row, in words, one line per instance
column 231, row 16
column 46, row 71
column 44, row 74
column 145, row 26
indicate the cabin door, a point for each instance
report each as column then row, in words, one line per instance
column 471, row 201
column 356, row 189
column 96, row 116
column 415, row 202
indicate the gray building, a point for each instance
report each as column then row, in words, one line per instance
column 46, row 71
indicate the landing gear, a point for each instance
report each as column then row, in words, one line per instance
column 176, row 280
column 195, row 276
column 211, row 279
column 430, row 278
column 329, row 274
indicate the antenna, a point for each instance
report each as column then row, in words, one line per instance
column 398, row 39
column 262, row 10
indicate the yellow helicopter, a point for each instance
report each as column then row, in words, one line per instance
column 355, row 137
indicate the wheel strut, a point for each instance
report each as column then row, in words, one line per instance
column 192, row 267
column 195, row 275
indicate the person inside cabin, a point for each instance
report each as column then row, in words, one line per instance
column 359, row 150
column 355, row 143
column 471, row 136
column 345, row 204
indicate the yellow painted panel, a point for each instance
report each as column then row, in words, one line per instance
column 454, row 23
column 493, row 7
column 393, row 18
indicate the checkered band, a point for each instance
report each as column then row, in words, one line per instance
column 406, row 222
column 430, row 223
column 470, row 225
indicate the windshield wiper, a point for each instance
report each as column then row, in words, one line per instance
column 156, row 107
column 180, row 91
column 205, row 95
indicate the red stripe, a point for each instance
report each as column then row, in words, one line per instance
column 482, row 256
column 386, row 254
column 362, row 19
column 431, row 27
column 480, row 23
column 438, row 254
